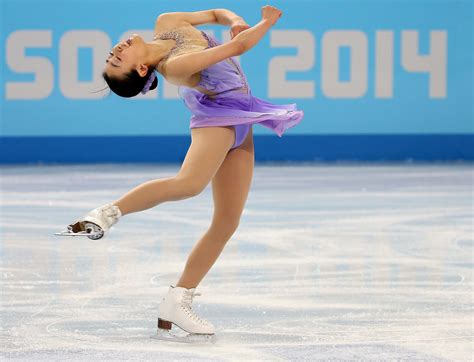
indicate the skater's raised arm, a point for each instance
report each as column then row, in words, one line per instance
column 212, row 16
column 187, row 65
column 192, row 17
column 250, row 37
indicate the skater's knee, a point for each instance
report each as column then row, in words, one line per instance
column 225, row 228
column 189, row 187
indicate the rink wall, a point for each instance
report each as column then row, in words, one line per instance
column 377, row 81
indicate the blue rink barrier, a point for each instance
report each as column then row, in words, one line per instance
column 171, row 149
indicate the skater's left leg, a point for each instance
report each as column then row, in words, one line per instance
column 230, row 188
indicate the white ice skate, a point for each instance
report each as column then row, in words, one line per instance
column 175, row 308
column 95, row 224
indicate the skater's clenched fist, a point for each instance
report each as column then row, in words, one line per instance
column 271, row 13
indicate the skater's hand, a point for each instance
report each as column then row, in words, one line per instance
column 237, row 27
column 271, row 13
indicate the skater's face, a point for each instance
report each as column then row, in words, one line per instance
column 126, row 56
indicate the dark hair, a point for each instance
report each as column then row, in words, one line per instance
column 131, row 84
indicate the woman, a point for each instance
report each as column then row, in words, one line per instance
column 215, row 89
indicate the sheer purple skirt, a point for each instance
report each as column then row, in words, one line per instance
column 233, row 103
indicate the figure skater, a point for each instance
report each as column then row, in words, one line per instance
column 215, row 89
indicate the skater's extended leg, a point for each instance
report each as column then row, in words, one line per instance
column 206, row 153
column 230, row 187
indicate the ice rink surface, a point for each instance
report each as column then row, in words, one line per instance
column 336, row 262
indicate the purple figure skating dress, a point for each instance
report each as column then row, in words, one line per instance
column 232, row 102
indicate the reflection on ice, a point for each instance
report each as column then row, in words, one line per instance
column 329, row 262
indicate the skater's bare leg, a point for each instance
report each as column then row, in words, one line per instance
column 230, row 188
column 206, row 153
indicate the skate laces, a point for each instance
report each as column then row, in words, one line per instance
column 186, row 305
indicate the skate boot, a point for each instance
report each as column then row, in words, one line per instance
column 175, row 308
column 95, row 223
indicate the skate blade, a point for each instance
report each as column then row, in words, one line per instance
column 80, row 228
column 92, row 236
column 165, row 335
column 70, row 233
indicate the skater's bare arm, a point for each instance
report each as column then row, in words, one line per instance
column 250, row 37
column 212, row 16
column 192, row 17
column 186, row 65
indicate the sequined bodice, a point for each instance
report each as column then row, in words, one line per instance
column 223, row 77
column 187, row 41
